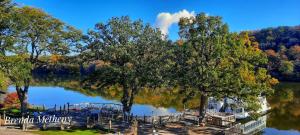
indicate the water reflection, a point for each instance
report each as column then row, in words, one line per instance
column 50, row 96
column 285, row 105
column 284, row 117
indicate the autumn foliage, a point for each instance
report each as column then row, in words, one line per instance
column 12, row 100
column 55, row 58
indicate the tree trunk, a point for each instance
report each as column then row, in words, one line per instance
column 202, row 108
column 125, row 100
column 23, row 96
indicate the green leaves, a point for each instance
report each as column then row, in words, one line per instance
column 4, row 81
column 41, row 33
column 286, row 67
column 221, row 64
column 15, row 68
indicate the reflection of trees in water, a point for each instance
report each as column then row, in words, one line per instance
column 158, row 98
column 285, row 103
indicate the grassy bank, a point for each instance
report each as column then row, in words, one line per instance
column 69, row 132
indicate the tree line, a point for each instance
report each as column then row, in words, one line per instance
column 207, row 60
column 281, row 44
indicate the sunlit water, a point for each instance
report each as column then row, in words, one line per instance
column 283, row 120
column 50, row 96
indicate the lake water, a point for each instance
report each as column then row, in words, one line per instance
column 284, row 118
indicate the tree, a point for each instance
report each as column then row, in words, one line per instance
column 271, row 53
column 204, row 38
column 294, row 52
column 7, row 26
column 4, row 82
column 132, row 53
column 219, row 64
column 286, row 67
column 37, row 34
column 18, row 71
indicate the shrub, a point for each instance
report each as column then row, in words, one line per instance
column 12, row 100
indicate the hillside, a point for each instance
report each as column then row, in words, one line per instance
column 282, row 45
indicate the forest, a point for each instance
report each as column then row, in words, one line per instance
column 281, row 44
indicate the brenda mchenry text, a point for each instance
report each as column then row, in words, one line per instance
column 38, row 119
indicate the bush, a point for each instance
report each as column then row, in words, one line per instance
column 12, row 101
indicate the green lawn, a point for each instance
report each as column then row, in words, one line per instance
column 69, row 132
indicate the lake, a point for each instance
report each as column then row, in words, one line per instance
column 284, row 119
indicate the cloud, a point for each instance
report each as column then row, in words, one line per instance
column 164, row 20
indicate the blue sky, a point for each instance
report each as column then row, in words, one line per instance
column 238, row 14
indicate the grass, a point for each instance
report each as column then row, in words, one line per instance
column 73, row 131
column 69, row 132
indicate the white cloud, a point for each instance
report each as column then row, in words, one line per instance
column 164, row 20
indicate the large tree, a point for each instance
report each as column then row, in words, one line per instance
column 5, row 35
column 218, row 64
column 131, row 54
column 35, row 33
column 7, row 26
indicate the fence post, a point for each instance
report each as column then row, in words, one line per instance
column 87, row 121
column 109, row 125
column 62, row 125
column 160, row 122
column 22, row 123
column 68, row 107
column 4, row 117
column 135, row 127
column 44, row 125
column 64, row 108
column 70, row 125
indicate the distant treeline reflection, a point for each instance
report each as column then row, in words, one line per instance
column 166, row 98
